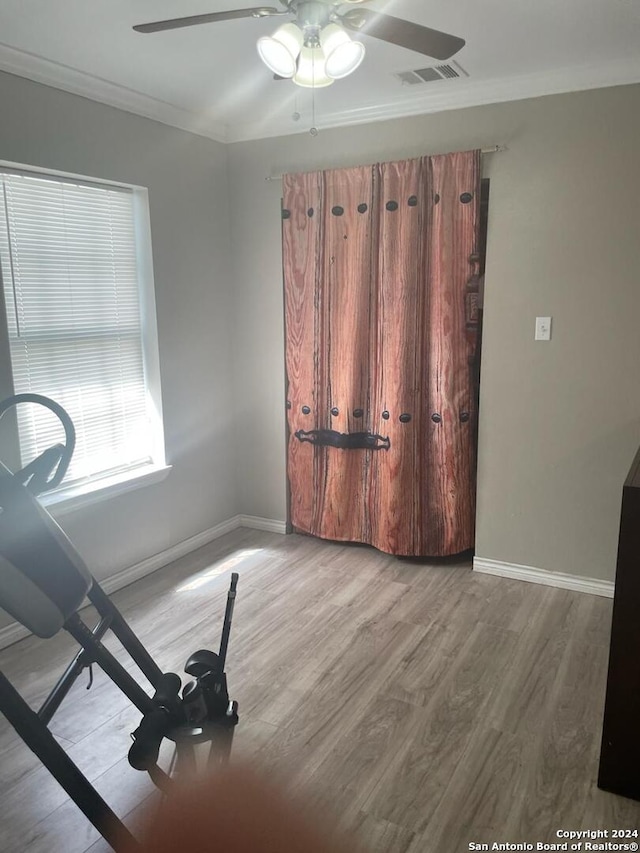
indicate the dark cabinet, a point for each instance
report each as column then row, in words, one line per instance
column 620, row 752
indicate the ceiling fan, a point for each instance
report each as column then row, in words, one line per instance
column 316, row 49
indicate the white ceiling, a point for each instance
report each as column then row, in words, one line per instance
column 210, row 79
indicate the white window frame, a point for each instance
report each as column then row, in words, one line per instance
column 64, row 500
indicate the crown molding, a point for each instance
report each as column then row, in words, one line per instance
column 448, row 95
column 457, row 94
column 60, row 76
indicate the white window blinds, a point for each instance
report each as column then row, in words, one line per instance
column 70, row 278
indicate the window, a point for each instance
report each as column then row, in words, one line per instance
column 78, row 290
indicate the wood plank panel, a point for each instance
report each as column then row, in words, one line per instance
column 486, row 788
column 347, row 323
column 398, row 478
column 449, row 480
column 418, row 775
column 305, row 361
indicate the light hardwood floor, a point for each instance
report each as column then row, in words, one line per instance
column 423, row 705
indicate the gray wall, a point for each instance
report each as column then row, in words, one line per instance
column 560, row 421
column 187, row 178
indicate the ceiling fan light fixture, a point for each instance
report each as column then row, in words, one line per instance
column 279, row 52
column 311, row 73
column 343, row 55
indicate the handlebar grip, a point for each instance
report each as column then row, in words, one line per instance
column 147, row 739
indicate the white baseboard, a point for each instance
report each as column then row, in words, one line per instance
column 593, row 586
column 14, row 632
column 175, row 552
column 271, row 525
column 152, row 564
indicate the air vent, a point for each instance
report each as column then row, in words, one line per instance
column 429, row 75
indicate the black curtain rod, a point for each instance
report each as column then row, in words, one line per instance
column 494, row 149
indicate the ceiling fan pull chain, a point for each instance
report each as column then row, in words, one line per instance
column 314, row 129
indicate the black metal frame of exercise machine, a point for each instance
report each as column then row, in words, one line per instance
column 36, row 554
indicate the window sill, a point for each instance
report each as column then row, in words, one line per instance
column 65, row 501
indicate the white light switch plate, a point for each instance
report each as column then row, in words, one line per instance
column 543, row 328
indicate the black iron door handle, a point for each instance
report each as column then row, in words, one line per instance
column 344, row 440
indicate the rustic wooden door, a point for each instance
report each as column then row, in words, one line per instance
column 379, row 341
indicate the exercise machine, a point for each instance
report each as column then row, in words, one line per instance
column 44, row 584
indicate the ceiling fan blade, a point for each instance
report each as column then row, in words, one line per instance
column 403, row 33
column 194, row 20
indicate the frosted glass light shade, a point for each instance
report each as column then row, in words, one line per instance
column 343, row 55
column 311, row 73
column 280, row 51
